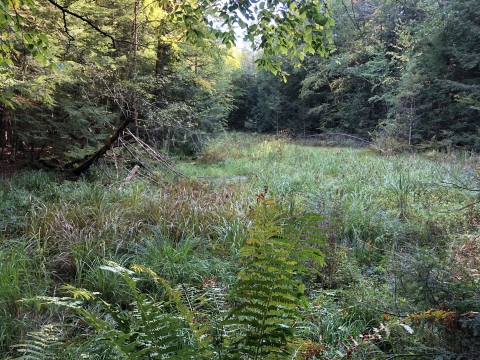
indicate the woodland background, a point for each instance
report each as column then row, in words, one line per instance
column 403, row 73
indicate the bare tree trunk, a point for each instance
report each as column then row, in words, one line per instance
column 410, row 123
column 135, row 60
column 32, row 151
column 13, row 155
column 3, row 129
column 40, row 152
column 3, row 141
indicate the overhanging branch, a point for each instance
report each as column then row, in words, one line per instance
column 65, row 10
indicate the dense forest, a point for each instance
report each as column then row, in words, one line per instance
column 400, row 73
column 239, row 179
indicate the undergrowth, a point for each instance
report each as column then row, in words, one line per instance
column 256, row 320
column 396, row 245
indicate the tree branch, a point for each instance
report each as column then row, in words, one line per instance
column 70, row 37
column 411, row 355
column 65, row 10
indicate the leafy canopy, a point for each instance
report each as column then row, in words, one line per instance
column 16, row 30
column 293, row 28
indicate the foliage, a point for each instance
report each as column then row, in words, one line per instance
column 397, row 75
column 19, row 36
column 147, row 330
column 162, row 67
column 41, row 345
column 268, row 294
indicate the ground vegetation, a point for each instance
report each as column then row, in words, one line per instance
column 265, row 248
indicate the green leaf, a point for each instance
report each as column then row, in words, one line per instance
column 43, row 39
column 242, row 24
column 28, row 38
column 309, row 49
column 4, row 100
column 321, row 20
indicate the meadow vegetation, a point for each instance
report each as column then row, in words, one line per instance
column 153, row 269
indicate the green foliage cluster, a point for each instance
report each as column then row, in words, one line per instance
column 402, row 74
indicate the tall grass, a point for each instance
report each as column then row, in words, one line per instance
column 375, row 209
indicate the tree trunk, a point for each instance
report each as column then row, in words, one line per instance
column 3, row 143
column 135, row 65
column 32, row 152
column 162, row 59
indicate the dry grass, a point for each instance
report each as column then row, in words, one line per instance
column 467, row 255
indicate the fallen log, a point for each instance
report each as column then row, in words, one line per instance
column 102, row 151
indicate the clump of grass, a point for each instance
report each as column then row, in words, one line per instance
column 229, row 146
column 187, row 261
column 22, row 274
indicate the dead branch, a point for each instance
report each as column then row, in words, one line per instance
column 129, row 177
column 65, row 10
column 341, row 134
column 90, row 161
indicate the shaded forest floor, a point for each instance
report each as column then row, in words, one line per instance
column 45, row 158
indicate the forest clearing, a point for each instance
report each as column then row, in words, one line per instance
column 239, row 179
column 396, row 248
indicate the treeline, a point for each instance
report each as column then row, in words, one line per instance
column 403, row 72
column 68, row 81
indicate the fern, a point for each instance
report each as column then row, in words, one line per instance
column 41, row 345
column 149, row 330
column 269, row 293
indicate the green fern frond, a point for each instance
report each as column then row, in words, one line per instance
column 40, row 345
column 149, row 330
column 78, row 293
column 268, row 295
column 196, row 327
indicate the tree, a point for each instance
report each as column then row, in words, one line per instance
column 109, row 46
column 280, row 26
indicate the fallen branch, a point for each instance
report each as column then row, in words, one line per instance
column 107, row 146
column 412, row 355
column 155, row 155
column 340, row 134
column 129, row 177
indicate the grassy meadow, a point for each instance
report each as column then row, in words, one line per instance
column 401, row 248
